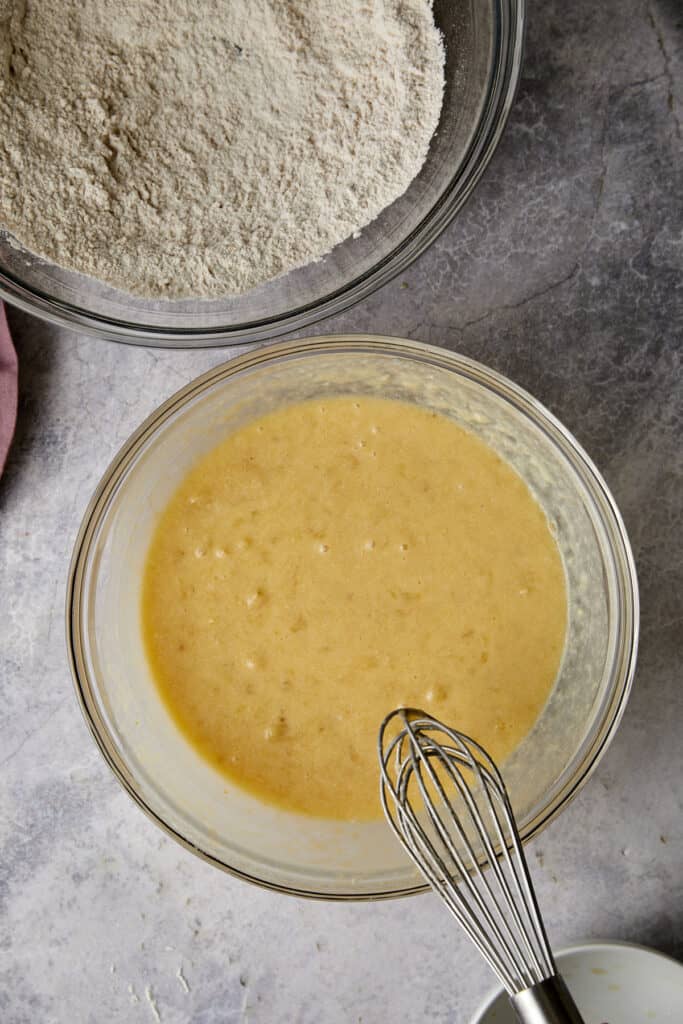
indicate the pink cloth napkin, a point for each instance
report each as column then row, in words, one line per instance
column 8, row 387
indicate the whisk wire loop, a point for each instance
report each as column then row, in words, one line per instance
column 437, row 870
column 446, row 756
column 453, row 842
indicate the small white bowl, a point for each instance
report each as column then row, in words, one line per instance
column 611, row 982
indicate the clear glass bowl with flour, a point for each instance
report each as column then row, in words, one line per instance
column 163, row 772
column 483, row 46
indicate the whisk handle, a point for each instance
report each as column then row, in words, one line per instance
column 548, row 1002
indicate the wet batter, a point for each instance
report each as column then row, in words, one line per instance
column 331, row 561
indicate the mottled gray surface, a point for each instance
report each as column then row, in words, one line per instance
column 565, row 272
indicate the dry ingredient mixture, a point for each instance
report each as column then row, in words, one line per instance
column 174, row 149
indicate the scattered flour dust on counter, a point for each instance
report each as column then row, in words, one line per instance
column 173, row 149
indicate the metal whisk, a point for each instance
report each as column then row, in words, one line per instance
column 447, row 803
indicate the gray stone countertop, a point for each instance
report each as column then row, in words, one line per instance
column 564, row 272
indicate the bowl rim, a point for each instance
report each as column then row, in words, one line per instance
column 504, row 76
column 349, row 344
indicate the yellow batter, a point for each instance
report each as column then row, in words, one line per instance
column 331, row 561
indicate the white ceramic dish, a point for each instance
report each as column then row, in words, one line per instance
column 612, row 983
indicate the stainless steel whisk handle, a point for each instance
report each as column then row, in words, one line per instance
column 548, row 1002
column 446, row 802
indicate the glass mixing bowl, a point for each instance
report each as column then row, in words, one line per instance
column 136, row 735
column 483, row 41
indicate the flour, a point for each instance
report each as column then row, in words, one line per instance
column 178, row 149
